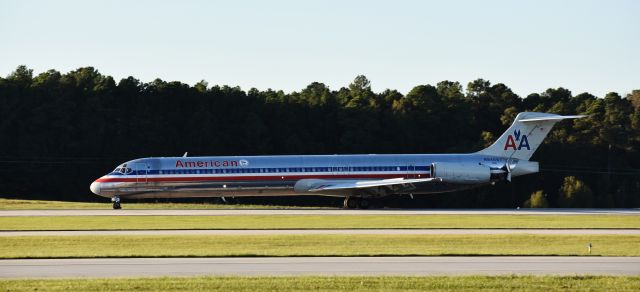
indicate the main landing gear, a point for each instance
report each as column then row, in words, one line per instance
column 359, row 203
column 116, row 203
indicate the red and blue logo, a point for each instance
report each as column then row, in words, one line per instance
column 522, row 140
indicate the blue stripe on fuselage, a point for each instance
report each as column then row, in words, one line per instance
column 263, row 170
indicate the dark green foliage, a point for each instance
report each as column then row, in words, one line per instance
column 61, row 131
column 537, row 200
column 574, row 193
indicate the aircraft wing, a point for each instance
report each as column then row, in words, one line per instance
column 328, row 185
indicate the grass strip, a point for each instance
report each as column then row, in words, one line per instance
column 315, row 222
column 15, row 204
column 315, row 245
column 361, row 283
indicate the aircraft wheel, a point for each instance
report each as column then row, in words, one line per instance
column 364, row 204
column 351, row 203
column 116, row 203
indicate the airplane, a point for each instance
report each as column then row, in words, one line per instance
column 358, row 178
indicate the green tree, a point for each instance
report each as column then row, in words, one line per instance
column 316, row 94
column 634, row 98
column 574, row 193
column 360, row 93
column 537, row 200
column 201, row 86
column 22, row 76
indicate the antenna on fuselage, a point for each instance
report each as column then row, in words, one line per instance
column 185, row 154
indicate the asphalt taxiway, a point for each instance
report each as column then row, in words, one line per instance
column 244, row 212
column 280, row 266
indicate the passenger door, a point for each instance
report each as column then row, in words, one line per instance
column 141, row 171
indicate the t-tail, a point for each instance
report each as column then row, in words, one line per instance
column 524, row 136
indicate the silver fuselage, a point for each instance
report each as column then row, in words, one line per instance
column 220, row 176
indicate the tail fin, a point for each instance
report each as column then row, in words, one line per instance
column 524, row 136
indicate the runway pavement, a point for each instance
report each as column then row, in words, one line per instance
column 326, row 231
column 228, row 212
column 138, row 267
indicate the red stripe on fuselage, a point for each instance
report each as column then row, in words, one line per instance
column 251, row 178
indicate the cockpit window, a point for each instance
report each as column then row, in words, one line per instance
column 123, row 169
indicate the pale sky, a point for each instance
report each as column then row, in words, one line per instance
column 591, row 46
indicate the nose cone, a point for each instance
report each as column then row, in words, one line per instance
column 95, row 187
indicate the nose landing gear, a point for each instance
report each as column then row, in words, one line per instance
column 116, row 202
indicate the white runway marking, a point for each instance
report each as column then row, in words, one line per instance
column 228, row 212
column 141, row 267
column 327, row 232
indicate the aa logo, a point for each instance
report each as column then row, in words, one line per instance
column 522, row 140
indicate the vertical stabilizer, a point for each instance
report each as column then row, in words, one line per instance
column 524, row 136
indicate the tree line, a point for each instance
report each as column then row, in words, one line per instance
column 61, row 131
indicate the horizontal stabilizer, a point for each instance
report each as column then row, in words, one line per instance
column 552, row 118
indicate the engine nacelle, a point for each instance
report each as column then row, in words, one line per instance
column 461, row 173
